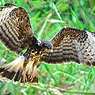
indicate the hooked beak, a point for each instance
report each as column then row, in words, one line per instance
column 51, row 51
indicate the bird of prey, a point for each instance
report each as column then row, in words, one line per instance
column 68, row 45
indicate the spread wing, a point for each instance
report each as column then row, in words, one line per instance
column 15, row 28
column 72, row 45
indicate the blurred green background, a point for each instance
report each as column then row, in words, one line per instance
column 47, row 17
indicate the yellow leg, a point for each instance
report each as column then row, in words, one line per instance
column 24, row 77
column 31, row 76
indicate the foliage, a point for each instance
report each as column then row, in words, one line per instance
column 47, row 17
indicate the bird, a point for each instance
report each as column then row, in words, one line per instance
column 68, row 45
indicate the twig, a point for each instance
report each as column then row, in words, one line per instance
column 44, row 25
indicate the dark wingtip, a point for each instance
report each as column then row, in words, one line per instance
column 9, row 5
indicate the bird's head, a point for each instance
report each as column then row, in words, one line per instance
column 46, row 45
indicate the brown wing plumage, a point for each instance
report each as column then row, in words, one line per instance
column 69, row 45
column 15, row 28
column 72, row 45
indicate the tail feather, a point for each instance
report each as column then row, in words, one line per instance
column 11, row 75
column 15, row 70
column 18, row 75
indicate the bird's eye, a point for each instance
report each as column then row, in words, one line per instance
column 45, row 46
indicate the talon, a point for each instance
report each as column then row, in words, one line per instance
column 24, row 77
column 31, row 76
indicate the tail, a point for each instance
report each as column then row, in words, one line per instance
column 14, row 70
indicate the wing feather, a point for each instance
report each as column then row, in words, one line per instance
column 15, row 28
column 72, row 45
